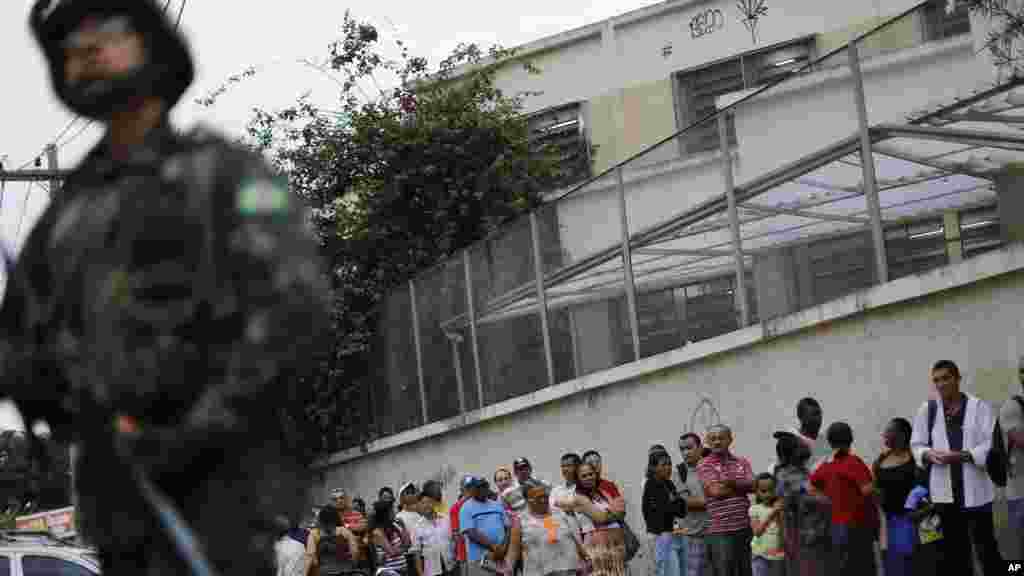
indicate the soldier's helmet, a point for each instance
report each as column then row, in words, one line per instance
column 167, row 72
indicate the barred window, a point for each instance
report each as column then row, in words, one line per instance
column 562, row 128
column 941, row 23
column 698, row 89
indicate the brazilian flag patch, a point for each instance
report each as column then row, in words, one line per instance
column 262, row 196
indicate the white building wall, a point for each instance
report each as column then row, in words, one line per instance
column 627, row 49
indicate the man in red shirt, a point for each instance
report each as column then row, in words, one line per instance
column 727, row 480
column 847, row 482
column 457, row 538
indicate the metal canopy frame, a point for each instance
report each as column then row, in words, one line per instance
column 521, row 300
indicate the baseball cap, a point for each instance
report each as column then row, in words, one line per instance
column 407, row 488
column 521, row 463
column 338, row 492
column 473, row 482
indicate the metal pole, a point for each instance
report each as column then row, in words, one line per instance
column 419, row 350
column 473, row 341
column 734, row 220
column 51, row 164
column 542, row 298
column 457, row 358
column 627, row 268
column 867, row 162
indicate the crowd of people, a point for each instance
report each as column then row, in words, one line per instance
column 924, row 504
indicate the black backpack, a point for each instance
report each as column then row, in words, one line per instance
column 997, row 463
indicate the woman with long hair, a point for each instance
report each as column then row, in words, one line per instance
column 322, row 545
column 604, row 539
column 895, row 476
column 545, row 538
column 390, row 541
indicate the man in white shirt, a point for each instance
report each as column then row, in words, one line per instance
column 567, row 487
column 289, row 553
column 956, row 446
column 1011, row 420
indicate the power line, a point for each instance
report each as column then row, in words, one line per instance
column 24, row 206
column 180, row 10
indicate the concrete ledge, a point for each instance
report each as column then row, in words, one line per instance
column 997, row 263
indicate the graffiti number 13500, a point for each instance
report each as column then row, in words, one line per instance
column 706, row 22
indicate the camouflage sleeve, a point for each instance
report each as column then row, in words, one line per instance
column 271, row 256
column 28, row 368
column 268, row 257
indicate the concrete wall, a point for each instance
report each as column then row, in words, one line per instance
column 865, row 357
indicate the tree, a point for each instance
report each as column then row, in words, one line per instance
column 1006, row 29
column 26, row 484
column 397, row 182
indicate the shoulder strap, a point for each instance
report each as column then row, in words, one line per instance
column 933, row 409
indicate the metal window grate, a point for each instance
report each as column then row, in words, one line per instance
column 700, row 88
column 980, row 231
column 562, row 130
column 916, row 247
column 941, row 24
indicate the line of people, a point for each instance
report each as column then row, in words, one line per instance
column 925, row 502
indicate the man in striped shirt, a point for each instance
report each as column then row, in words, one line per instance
column 727, row 480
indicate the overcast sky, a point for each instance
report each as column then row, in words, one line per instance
column 230, row 35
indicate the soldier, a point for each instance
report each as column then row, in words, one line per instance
column 161, row 308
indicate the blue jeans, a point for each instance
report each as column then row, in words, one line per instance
column 669, row 555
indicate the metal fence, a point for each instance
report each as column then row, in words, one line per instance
column 580, row 285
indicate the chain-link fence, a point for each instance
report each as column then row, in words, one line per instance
column 753, row 211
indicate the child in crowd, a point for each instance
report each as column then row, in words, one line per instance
column 768, row 555
column 848, row 483
column 927, row 551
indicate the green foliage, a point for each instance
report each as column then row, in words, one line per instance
column 22, row 480
column 397, row 182
column 1004, row 42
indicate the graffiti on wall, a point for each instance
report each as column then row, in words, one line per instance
column 704, row 415
column 751, row 12
column 706, row 22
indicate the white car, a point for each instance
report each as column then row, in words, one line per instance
column 40, row 560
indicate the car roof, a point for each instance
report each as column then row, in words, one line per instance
column 30, row 548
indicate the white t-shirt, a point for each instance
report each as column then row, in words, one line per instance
column 290, row 557
column 540, row 555
column 433, row 540
column 820, row 451
column 1010, row 417
column 412, row 522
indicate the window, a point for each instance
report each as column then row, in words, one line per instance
column 941, row 24
column 980, row 231
column 700, row 88
column 45, row 566
column 562, row 129
column 915, row 247
column 839, row 266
